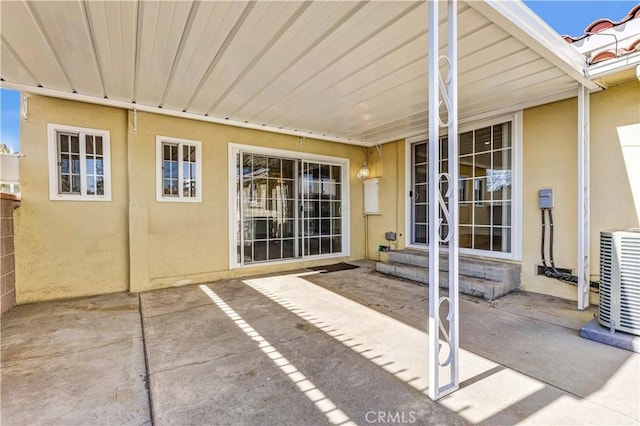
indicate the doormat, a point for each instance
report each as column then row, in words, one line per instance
column 333, row 268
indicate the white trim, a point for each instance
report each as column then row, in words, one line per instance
column 517, row 196
column 163, row 111
column 614, row 65
column 52, row 142
column 517, row 207
column 583, row 272
column 345, row 163
column 160, row 197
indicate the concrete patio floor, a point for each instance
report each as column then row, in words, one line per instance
column 303, row 348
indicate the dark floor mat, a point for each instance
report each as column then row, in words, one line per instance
column 334, row 268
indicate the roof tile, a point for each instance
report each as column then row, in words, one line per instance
column 605, row 24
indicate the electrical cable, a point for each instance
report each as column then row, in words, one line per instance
column 553, row 263
column 544, row 261
column 551, row 271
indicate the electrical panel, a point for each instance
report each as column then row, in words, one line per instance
column 372, row 196
column 545, row 198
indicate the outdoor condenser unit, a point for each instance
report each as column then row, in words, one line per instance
column 620, row 280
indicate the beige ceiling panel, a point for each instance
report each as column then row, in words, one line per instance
column 412, row 76
column 22, row 33
column 113, row 26
column 212, row 24
column 343, row 69
column 376, row 106
column 265, row 24
column 390, row 38
column 162, row 25
column 517, row 79
column 542, row 89
column 392, row 127
column 13, row 70
column 68, row 31
column 338, row 44
column 359, row 127
column 314, row 25
column 481, row 71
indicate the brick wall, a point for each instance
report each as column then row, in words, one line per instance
column 8, row 203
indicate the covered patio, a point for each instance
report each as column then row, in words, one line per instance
column 302, row 85
column 345, row 347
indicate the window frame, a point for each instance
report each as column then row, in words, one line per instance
column 54, row 171
column 181, row 142
column 344, row 163
column 516, row 119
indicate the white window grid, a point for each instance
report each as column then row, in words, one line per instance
column 79, row 163
column 472, row 188
column 179, row 164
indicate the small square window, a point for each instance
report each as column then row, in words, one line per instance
column 179, row 170
column 79, row 163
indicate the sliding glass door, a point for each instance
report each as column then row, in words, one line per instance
column 320, row 192
column 267, row 202
column 287, row 208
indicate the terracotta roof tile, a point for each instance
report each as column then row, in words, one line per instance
column 605, row 24
column 611, row 53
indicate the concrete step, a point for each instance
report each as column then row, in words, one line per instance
column 474, row 286
column 492, row 270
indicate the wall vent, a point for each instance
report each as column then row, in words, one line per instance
column 620, row 280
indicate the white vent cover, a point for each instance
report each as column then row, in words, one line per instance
column 620, row 280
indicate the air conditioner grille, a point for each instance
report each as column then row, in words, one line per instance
column 620, row 280
column 605, row 277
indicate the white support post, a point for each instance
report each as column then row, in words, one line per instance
column 453, row 188
column 434, row 214
column 584, row 276
column 443, row 333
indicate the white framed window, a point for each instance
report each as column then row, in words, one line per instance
column 79, row 163
column 178, row 170
column 490, row 188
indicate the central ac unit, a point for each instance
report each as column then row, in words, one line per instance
column 620, row 280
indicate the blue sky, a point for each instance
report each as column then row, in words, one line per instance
column 566, row 17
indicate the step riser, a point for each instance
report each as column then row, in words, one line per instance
column 488, row 290
column 505, row 274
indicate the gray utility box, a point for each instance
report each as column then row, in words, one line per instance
column 545, row 198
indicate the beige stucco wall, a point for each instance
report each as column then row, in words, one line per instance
column 550, row 161
column 179, row 243
column 69, row 248
column 389, row 168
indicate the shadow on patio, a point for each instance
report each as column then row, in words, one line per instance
column 306, row 348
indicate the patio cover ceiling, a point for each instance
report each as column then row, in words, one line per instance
column 353, row 72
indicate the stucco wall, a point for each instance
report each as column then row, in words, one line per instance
column 188, row 243
column 390, row 168
column 69, row 248
column 76, row 248
column 550, row 161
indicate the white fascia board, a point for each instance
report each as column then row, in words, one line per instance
column 520, row 22
column 615, row 65
column 163, row 111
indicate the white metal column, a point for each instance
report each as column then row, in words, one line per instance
column 584, row 276
column 443, row 332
